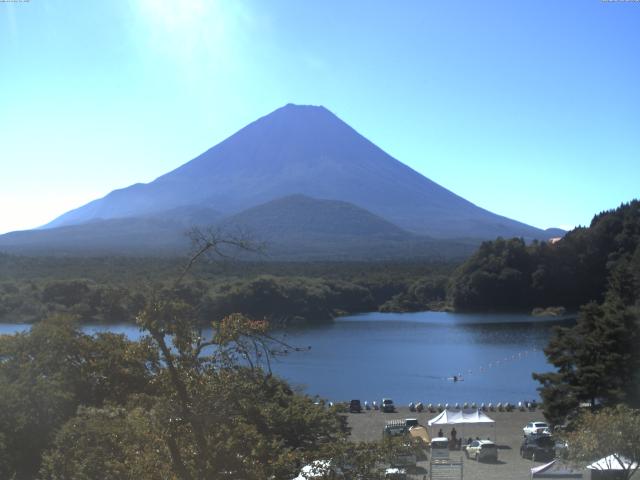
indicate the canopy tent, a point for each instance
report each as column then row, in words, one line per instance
column 454, row 417
column 463, row 417
column 555, row 469
column 613, row 462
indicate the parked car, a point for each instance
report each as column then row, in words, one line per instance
column 482, row 450
column 542, row 446
column 387, row 406
column 533, row 428
column 355, row 406
column 395, row 428
column 319, row 469
column 393, row 473
column 411, row 422
column 440, row 449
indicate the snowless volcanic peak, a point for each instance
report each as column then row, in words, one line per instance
column 305, row 150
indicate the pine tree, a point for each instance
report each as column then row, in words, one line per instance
column 596, row 360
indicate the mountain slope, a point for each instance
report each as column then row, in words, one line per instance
column 305, row 150
column 161, row 232
column 298, row 227
column 292, row 228
column 299, row 216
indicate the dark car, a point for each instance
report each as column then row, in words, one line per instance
column 542, row 446
column 387, row 406
column 355, row 407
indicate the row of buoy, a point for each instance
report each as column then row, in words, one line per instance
column 489, row 407
column 437, row 408
column 496, row 363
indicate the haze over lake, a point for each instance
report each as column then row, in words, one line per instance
column 410, row 356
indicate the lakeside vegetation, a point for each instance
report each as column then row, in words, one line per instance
column 112, row 289
column 176, row 404
column 595, row 269
column 594, row 391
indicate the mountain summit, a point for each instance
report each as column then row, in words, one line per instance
column 300, row 179
column 306, row 150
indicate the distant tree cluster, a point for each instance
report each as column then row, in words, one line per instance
column 510, row 275
column 103, row 290
column 29, row 301
column 426, row 293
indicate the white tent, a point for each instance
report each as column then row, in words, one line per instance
column 463, row 417
column 454, row 417
column 555, row 470
column 612, row 462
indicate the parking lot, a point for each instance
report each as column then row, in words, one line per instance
column 368, row 426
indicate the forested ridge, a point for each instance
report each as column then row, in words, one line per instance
column 507, row 274
column 112, row 289
column 597, row 361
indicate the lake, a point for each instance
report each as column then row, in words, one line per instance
column 411, row 356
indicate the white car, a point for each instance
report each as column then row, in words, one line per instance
column 533, row 428
column 395, row 474
column 481, row 450
column 319, row 469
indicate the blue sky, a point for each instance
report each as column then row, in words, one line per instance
column 530, row 109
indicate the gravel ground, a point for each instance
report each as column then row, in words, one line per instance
column 367, row 426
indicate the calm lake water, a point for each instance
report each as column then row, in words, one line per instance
column 410, row 356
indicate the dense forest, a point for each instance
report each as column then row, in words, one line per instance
column 597, row 360
column 112, row 289
column 511, row 275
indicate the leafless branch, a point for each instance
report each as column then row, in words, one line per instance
column 216, row 241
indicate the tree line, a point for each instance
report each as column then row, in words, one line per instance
column 598, row 361
column 508, row 274
column 104, row 291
